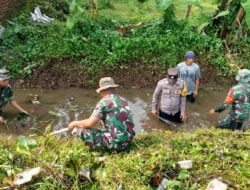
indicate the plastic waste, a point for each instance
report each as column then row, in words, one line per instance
column 26, row 176
column 185, row 164
column 163, row 184
column 216, row 184
column 37, row 16
column 85, row 173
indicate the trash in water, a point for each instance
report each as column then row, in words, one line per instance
column 216, row 184
column 85, row 173
column 24, row 120
column 37, row 16
column 185, row 164
column 26, row 176
column 163, row 184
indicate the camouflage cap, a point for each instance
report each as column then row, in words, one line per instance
column 243, row 76
column 4, row 74
column 105, row 83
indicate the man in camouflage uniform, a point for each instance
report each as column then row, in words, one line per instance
column 115, row 115
column 6, row 94
column 238, row 101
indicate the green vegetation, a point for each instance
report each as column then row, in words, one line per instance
column 121, row 34
column 215, row 153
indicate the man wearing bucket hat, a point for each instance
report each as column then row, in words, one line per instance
column 115, row 115
column 238, row 102
column 173, row 93
column 6, row 94
column 190, row 73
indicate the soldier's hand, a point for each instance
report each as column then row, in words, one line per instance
column 72, row 125
column 212, row 111
column 1, row 119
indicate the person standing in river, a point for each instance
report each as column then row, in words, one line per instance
column 115, row 115
column 173, row 93
column 6, row 94
column 190, row 73
column 238, row 102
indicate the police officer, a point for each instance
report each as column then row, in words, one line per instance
column 173, row 93
column 6, row 94
column 238, row 102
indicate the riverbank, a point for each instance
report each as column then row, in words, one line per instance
column 215, row 153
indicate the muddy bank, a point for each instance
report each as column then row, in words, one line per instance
column 65, row 74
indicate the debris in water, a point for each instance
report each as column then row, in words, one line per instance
column 216, row 184
column 26, row 176
column 185, row 164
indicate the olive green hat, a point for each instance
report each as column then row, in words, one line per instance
column 4, row 74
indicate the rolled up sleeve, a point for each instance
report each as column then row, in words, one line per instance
column 98, row 111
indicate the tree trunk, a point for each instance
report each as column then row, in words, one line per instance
column 188, row 11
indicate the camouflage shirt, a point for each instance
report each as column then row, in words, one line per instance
column 6, row 95
column 116, row 115
column 238, row 100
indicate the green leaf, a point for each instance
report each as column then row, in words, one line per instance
column 25, row 141
column 184, row 174
column 222, row 13
column 21, row 149
column 192, row 2
column 246, row 6
column 202, row 26
column 243, row 171
column 163, row 4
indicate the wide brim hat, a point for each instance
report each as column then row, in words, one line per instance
column 243, row 76
column 4, row 74
column 105, row 83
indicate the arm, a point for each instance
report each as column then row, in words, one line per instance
column 183, row 102
column 155, row 99
column 226, row 104
column 17, row 107
column 197, row 81
column 84, row 124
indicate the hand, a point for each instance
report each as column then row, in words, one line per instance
column 183, row 116
column 25, row 112
column 72, row 125
column 154, row 113
column 212, row 111
column 195, row 93
column 1, row 119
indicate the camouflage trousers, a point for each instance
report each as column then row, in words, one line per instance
column 101, row 139
column 229, row 122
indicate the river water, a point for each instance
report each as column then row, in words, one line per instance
column 139, row 100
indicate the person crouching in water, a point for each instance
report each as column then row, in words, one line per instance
column 238, row 102
column 173, row 93
column 115, row 115
column 6, row 94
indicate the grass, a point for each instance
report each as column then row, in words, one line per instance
column 215, row 153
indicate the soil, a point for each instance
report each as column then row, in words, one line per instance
column 61, row 73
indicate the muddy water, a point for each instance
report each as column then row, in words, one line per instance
column 139, row 100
